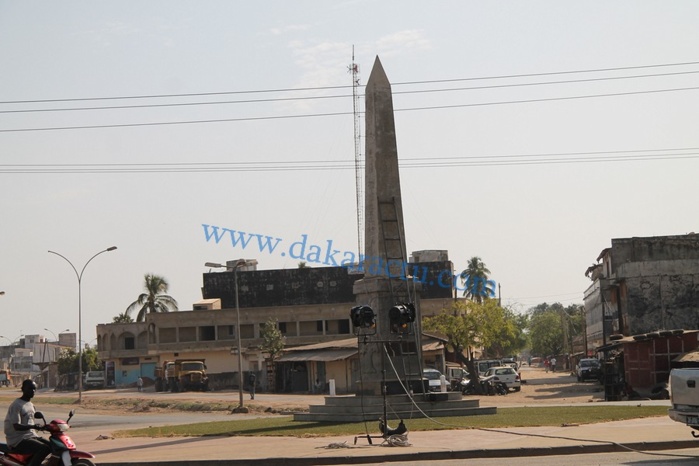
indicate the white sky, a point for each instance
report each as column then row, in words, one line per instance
column 537, row 226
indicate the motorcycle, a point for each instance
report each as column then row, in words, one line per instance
column 489, row 386
column 63, row 450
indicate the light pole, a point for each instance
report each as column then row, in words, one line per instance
column 44, row 357
column 12, row 342
column 54, row 335
column 80, row 317
column 234, row 266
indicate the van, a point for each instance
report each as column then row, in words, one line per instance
column 94, row 379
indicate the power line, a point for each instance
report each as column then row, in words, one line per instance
column 315, row 115
column 314, row 165
column 342, row 96
column 201, row 94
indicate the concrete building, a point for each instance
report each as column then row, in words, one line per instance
column 642, row 309
column 643, row 285
column 311, row 306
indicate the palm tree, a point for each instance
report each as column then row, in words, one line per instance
column 154, row 299
column 475, row 280
column 123, row 318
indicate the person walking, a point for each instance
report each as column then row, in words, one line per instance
column 553, row 364
column 139, row 383
column 252, row 379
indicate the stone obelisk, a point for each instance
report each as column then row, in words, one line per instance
column 384, row 355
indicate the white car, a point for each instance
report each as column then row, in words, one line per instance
column 433, row 377
column 506, row 375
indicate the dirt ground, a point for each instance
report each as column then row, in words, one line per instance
column 539, row 388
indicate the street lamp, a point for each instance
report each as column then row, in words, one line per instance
column 80, row 326
column 235, row 265
column 54, row 335
column 12, row 342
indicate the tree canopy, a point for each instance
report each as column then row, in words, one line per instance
column 68, row 361
column 122, row 318
column 474, row 278
column 553, row 327
column 154, row 299
column 272, row 339
column 467, row 324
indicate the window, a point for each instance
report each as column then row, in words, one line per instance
column 207, row 333
column 129, row 343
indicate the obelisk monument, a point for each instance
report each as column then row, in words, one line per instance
column 384, row 354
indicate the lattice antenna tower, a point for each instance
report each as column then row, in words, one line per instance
column 358, row 164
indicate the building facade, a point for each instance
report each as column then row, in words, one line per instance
column 642, row 285
column 310, row 306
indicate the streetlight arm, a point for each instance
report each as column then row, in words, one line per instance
column 80, row 324
column 71, row 264
column 112, row 248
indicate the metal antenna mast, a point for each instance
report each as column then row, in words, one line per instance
column 358, row 165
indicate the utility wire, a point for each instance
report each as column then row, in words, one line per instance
column 200, row 94
column 315, row 115
column 342, row 96
column 285, row 166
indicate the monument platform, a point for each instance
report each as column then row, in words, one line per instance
column 355, row 408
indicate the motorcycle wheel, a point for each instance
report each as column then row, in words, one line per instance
column 82, row 462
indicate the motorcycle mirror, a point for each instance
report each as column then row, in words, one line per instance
column 38, row 415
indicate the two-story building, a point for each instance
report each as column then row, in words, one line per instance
column 310, row 306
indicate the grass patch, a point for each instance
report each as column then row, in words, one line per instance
column 505, row 417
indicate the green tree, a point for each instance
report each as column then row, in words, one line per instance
column 154, row 299
column 273, row 343
column 272, row 339
column 68, row 361
column 508, row 331
column 477, row 287
column 553, row 327
column 123, row 318
column 466, row 324
column 545, row 331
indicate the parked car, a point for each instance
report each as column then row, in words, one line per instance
column 506, row 375
column 588, row 369
column 94, row 379
column 434, row 379
column 483, row 365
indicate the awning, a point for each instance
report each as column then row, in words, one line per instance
column 326, row 355
column 692, row 356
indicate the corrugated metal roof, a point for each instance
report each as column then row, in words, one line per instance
column 337, row 344
column 318, row 355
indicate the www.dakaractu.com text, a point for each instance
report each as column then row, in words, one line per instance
column 326, row 254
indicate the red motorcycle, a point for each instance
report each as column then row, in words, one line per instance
column 63, row 450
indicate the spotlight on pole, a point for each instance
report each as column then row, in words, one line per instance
column 401, row 315
column 363, row 317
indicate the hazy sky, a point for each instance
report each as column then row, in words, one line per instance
column 515, row 142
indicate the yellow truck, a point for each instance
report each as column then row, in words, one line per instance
column 182, row 375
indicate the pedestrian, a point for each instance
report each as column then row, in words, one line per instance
column 252, row 378
column 139, row 383
column 546, row 364
column 553, row 364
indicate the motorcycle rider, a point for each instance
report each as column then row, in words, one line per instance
column 19, row 427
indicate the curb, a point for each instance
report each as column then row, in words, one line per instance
column 431, row 456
